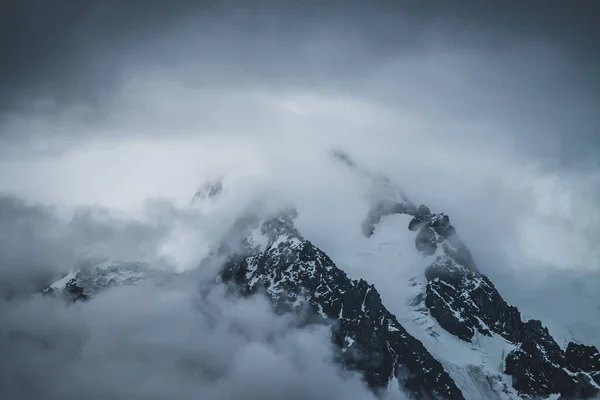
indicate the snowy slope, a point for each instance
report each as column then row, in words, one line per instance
column 459, row 305
column 405, row 301
column 390, row 260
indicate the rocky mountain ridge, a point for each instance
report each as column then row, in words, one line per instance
column 294, row 274
column 453, row 299
column 464, row 301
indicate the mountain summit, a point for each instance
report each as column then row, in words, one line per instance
column 454, row 337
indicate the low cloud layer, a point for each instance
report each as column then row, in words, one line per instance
column 147, row 343
column 162, row 338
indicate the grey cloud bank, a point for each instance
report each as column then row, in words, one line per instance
column 145, row 343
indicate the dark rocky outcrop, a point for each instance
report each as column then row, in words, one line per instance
column 71, row 292
column 426, row 241
column 464, row 302
column 582, row 358
column 539, row 368
column 297, row 277
column 446, row 236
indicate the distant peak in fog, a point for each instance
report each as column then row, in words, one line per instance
column 211, row 189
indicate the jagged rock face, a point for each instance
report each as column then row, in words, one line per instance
column 538, row 367
column 464, row 301
column 71, row 291
column 274, row 259
column 445, row 234
column 583, row 358
column 299, row 277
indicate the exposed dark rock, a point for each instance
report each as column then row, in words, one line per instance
column 444, row 233
column 582, row 358
column 71, row 292
column 538, row 367
column 74, row 292
column 298, row 277
column 441, row 223
column 423, row 211
column 417, row 223
column 464, row 301
column 426, row 241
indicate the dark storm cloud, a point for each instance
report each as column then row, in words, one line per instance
column 51, row 48
column 533, row 67
column 54, row 46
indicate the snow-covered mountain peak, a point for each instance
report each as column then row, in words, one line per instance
column 452, row 335
column 299, row 277
column 93, row 277
column 209, row 191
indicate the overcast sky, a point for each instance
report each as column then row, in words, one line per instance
column 487, row 111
